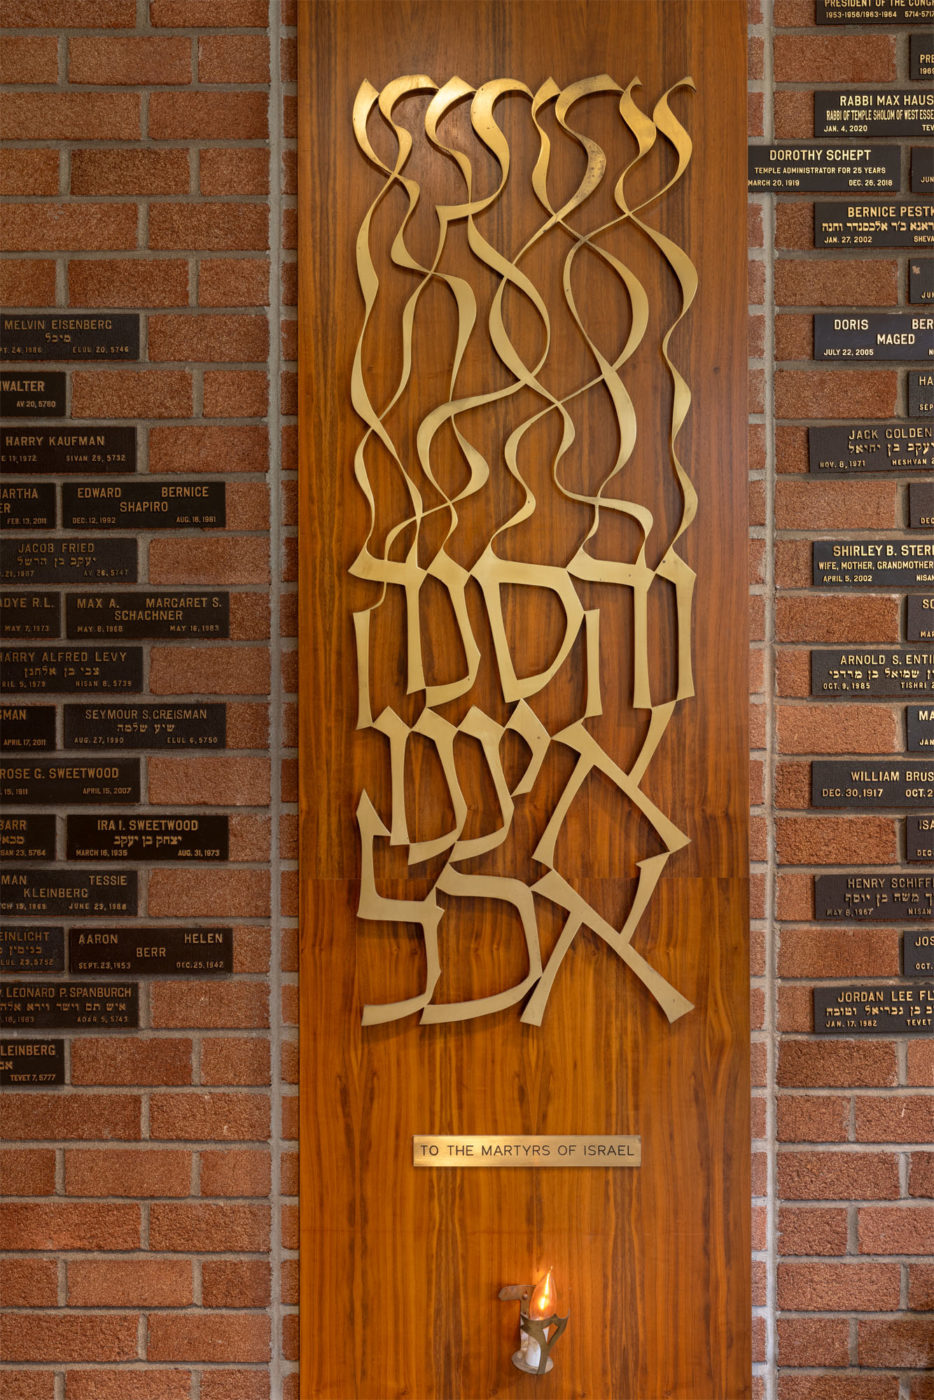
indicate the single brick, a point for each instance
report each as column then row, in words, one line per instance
column 236, row 393
column 815, row 393
column 837, row 1176
column 290, row 1336
column 28, row 1171
column 249, row 836
column 233, row 282
column 236, row 1005
column 28, row 59
column 237, row 1385
column 208, row 449
column 289, row 1107
column 794, row 225
column 235, row 1060
column 148, row 61
column 208, row 226
column 128, row 393
column 791, row 449
column 226, row 560
column 50, row 1117
column 807, row 1064
column 209, row 1228
column 28, row 1385
column 843, row 619
column 208, row 1336
column 801, row 1118
column 127, row 282
column 836, row 840
column 127, row 1172
column 834, row 58
column 921, row 1063
column 235, row 1283
column 215, row 780
column 215, row 1116
column 29, row 1283
column 129, row 1283
column 289, row 1178
column 58, row 1337
column 247, row 726
column 112, row 1385
column 24, row 171
column 233, row 58
column 209, row 671
column 248, row 506
column 896, row 1230
column 196, row 894
column 794, row 115
column 793, row 563
column 822, row 505
column 238, row 1171
column 806, row 1341
column 794, row 1009
column 249, row 622
column 114, row 171
column 812, row 1230
column 838, row 1287
column 832, row 1385
column 794, row 337
column 61, row 227
column 908, row 1118
column 27, row 282
column 75, row 14
column 69, row 1225
column 118, row 1060
column 810, row 952
column 217, row 337
column 70, row 116
column 192, row 14
column 896, row 1341
column 921, row 1287
column 854, row 282
column 840, row 728
column 226, row 170
column 793, row 675
column 207, row 116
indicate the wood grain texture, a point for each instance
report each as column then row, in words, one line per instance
column 401, row 1268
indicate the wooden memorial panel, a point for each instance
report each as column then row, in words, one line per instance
column 523, row 678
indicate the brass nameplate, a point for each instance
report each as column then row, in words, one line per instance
column 525, row 1150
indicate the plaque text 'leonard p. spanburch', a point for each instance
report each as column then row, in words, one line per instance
column 414, row 553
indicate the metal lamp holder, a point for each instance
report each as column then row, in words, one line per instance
column 535, row 1327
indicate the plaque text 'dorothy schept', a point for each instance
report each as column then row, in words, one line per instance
column 525, row 1150
column 785, row 166
column 873, row 563
column 31, row 1062
column 175, row 836
column 870, row 447
column 874, row 1010
column 68, row 1005
column 874, row 112
column 27, row 727
column 165, row 725
column 31, row 449
column 62, row 890
column 71, row 669
column 174, row 951
column 862, row 783
column 873, row 335
column 152, row 614
column 32, row 948
column 67, row 781
column 868, row 671
column 918, row 952
column 69, row 335
column 894, row 223
column 874, row 898
column 144, row 505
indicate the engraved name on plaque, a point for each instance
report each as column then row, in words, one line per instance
column 152, row 614
column 30, row 449
column 26, row 1063
column 144, row 505
column 27, row 727
column 919, row 838
column 65, row 781
column 24, row 506
column 865, row 784
column 920, row 393
column 873, row 335
column 920, row 727
column 921, row 58
column 874, row 112
column 67, row 561
column 32, row 948
column 68, row 1005
column 170, row 951
column 868, row 898
column 894, row 223
column 32, row 394
column 874, row 11
column 861, row 672
column 29, row 892
column 785, row 167
column 873, row 563
column 71, row 669
column 918, row 952
column 873, row 1010
column 175, row 836
column 29, row 837
column 165, row 725
column 69, row 335
column 29, row 616
column 870, row 447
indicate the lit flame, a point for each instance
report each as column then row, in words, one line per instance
column 543, row 1300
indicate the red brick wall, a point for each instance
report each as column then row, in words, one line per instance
column 844, row 1166
column 147, row 1226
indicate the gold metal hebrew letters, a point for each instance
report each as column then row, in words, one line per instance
column 413, row 553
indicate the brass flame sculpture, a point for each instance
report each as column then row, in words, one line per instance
column 491, row 572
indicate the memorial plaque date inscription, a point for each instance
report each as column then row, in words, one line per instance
column 71, row 1005
column 32, row 948
column 31, row 449
column 874, row 112
column 144, row 505
column 29, row 616
column 30, row 1062
column 139, row 615
column 875, row 11
column 24, row 506
column 871, row 447
column 67, row 782
column 28, row 892
column 71, row 669
column 67, row 561
column 920, row 393
column 29, row 837
column 921, row 58
column 896, row 223
column 874, row 1010
column 918, row 952
column 157, row 726
column 69, row 336
column 176, row 836
column 873, row 335
column 867, row 898
column 868, row 784
column 28, row 394
column 166, row 951
column 836, row 169
column 922, row 169
column 919, row 838
column 873, row 563
column 865, row 672
column 27, row 727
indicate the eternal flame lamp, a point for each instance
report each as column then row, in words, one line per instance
column 539, row 1324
